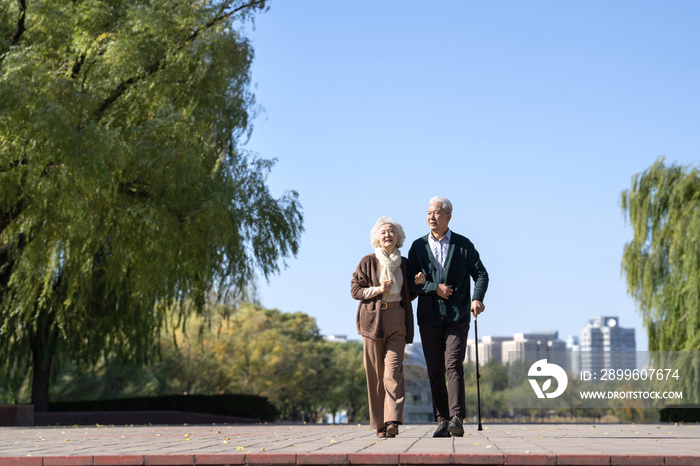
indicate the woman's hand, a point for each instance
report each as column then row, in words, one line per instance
column 386, row 286
column 419, row 278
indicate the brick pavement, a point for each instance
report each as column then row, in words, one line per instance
column 282, row 444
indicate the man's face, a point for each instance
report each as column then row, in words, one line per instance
column 438, row 219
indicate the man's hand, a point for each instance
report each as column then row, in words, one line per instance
column 477, row 307
column 444, row 291
column 386, row 286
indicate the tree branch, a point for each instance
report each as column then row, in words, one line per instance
column 7, row 259
column 11, row 216
column 85, row 75
column 151, row 70
column 131, row 188
column 121, row 89
column 14, row 164
column 224, row 17
column 19, row 30
column 76, row 66
column 197, row 88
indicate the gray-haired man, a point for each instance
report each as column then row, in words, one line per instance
column 448, row 261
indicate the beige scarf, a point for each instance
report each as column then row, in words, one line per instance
column 389, row 264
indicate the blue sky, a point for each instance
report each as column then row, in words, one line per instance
column 531, row 117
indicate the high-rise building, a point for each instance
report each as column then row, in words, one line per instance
column 535, row 346
column 540, row 345
column 573, row 355
column 489, row 349
column 606, row 345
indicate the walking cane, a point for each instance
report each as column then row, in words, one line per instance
column 478, row 376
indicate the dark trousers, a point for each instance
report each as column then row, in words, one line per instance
column 444, row 348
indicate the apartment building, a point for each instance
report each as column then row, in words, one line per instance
column 607, row 345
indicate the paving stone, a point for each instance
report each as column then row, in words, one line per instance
column 425, row 458
column 68, row 460
column 287, row 445
column 323, row 459
column 117, row 460
column 574, row 459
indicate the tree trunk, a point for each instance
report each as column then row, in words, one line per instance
column 43, row 341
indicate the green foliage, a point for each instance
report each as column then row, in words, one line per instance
column 15, row 372
column 122, row 186
column 346, row 383
column 494, row 389
column 249, row 350
column 662, row 262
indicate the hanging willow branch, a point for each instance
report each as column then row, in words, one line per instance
column 662, row 262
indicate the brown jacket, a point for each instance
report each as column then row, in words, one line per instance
column 369, row 313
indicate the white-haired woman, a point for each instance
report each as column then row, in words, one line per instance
column 385, row 321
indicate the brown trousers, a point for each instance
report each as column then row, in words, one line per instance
column 383, row 360
column 444, row 348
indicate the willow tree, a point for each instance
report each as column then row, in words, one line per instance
column 662, row 262
column 123, row 188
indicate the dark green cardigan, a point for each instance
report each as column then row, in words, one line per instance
column 461, row 264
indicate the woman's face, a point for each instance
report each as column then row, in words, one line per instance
column 387, row 237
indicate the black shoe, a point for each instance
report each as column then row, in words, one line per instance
column 455, row 427
column 441, row 430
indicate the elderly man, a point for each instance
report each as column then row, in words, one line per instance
column 447, row 261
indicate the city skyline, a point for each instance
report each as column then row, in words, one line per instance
column 599, row 339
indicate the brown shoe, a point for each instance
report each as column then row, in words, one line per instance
column 381, row 432
column 392, row 429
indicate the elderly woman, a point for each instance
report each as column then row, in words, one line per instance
column 385, row 321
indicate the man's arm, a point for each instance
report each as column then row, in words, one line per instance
column 479, row 274
column 413, row 268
